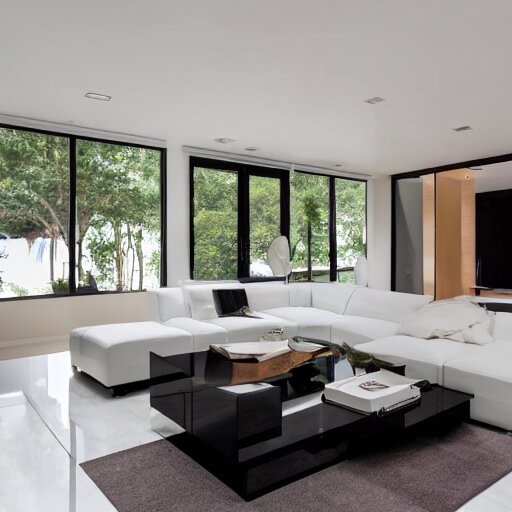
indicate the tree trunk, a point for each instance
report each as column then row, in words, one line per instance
column 140, row 257
column 119, row 257
column 52, row 259
column 310, row 262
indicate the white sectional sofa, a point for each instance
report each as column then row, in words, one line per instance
column 117, row 354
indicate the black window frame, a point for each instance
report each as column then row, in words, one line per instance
column 73, row 138
column 245, row 170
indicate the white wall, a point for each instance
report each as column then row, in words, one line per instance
column 28, row 321
column 379, row 232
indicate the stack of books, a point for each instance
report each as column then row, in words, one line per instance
column 380, row 392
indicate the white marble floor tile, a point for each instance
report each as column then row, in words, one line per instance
column 36, row 473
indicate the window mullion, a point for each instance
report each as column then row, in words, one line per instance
column 72, row 216
column 333, row 249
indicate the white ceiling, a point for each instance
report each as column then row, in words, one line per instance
column 287, row 75
column 494, row 177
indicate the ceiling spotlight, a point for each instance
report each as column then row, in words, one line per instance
column 375, row 99
column 464, row 128
column 97, row 96
column 338, row 165
column 252, row 148
column 476, row 168
column 224, row 140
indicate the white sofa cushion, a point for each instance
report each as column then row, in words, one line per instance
column 424, row 359
column 203, row 333
column 167, row 303
column 359, row 329
column 300, row 294
column 458, row 320
column 391, row 306
column 251, row 329
column 312, row 322
column 267, row 295
column 503, row 326
column 331, row 296
column 200, row 299
column 487, row 374
column 119, row 353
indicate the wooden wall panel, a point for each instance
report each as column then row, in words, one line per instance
column 455, row 233
column 429, row 235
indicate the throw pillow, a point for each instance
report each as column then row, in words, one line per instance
column 454, row 319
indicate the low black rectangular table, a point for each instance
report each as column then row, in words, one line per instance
column 243, row 439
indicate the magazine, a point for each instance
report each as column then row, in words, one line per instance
column 259, row 350
column 379, row 392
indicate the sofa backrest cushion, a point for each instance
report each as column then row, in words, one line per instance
column 200, row 299
column 503, row 326
column 300, row 294
column 263, row 296
column 166, row 303
column 331, row 296
column 384, row 305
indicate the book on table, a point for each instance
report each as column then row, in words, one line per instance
column 379, row 392
column 262, row 350
column 259, row 350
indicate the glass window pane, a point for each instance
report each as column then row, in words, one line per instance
column 350, row 225
column 215, row 224
column 264, row 220
column 118, row 217
column 34, row 211
column 309, row 227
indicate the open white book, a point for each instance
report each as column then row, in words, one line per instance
column 260, row 350
column 380, row 392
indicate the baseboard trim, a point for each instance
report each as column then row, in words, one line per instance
column 27, row 347
column 33, row 341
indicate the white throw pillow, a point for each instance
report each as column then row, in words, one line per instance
column 200, row 299
column 454, row 319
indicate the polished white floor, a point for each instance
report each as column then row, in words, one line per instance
column 51, row 420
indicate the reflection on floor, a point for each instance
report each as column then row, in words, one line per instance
column 52, row 419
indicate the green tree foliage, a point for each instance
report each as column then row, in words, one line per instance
column 215, row 224
column 216, row 215
column 309, row 233
column 264, row 215
column 118, row 201
column 350, row 220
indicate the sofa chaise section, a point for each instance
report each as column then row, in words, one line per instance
column 488, row 375
column 116, row 354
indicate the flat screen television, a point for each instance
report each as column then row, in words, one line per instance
column 494, row 239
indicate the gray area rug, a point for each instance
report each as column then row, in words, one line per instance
column 424, row 474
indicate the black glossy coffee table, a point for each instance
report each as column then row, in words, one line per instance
column 239, row 434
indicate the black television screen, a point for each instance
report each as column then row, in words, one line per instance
column 494, row 239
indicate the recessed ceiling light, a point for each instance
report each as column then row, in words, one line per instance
column 224, row 140
column 338, row 165
column 375, row 99
column 464, row 128
column 476, row 168
column 252, row 148
column 97, row 96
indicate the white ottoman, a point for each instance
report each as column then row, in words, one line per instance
column 117, row 354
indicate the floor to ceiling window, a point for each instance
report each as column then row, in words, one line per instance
column 78, row 216
column 238, row 209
